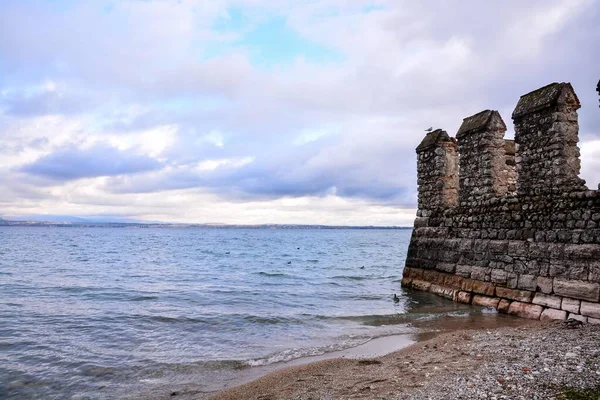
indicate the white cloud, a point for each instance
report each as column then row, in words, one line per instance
column 302, row 141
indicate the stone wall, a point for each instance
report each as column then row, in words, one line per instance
column 533, row 251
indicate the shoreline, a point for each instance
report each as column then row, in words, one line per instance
column 531, row 359
column 421, row 331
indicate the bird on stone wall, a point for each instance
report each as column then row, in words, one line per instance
column 429, row 129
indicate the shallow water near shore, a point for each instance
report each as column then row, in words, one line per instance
column 104, row 313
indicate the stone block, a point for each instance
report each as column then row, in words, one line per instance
column 550, row 314
column 443, row 291
column 578, row 317
column 517, row 248
column 499, row 276
column 544, row 284
column 467, row 285
column 594, row 274
column 593, row 321
column 582, row 251
column 523, row 296
column 590, row 309
column 525, row 310
column 421, row 222
column 547, row 301
column 577, row 289
column 406, row 282
column 498, row 246
column 503, row 306
column 421, row 285
column 527, row 282
column 464, row 297
column 479, row 273
column 431, row 275
column 463, row 270
column 416, row 273
column 483, row 288
column 446, row 267
column 453, row 281
column 485, row 301
column 570, row 305
column 512, row 280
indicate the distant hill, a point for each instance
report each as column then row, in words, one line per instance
column 49, row 218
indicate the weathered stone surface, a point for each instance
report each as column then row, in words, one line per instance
column 527, row 282
column 550, row 314
column 547, row 301
column 577, row 289
column 570, row 305
column 544, row 284
column 483, row 288
column 421, row 285
column 485, row 301
column 499, row 276
column 590, row 309
column 503, row 306
column 446, row 267
column 464, row 270
column 523, row 296
column 479, row 273
column 442, row 291
column 515, row 219
column 525, row 310
column 406, row 282
column 453, row 281
column 464, row 297
column 594, row 321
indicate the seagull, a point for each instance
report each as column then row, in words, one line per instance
column 429, row 129
column 396, row 299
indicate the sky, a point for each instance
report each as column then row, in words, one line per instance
column 265, row 111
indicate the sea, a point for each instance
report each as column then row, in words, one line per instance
column 137, row 313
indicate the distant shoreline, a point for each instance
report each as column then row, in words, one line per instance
column 188, row 226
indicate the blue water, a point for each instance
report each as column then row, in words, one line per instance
column 101, row 312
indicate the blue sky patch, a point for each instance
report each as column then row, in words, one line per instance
column 271, row 41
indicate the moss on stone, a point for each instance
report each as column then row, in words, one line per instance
column 581, row 394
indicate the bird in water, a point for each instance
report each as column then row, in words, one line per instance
column 429, row 129
column 363, row 267
column 396, row 299
column 289, row 262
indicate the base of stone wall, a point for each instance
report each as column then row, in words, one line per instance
column 521, row 303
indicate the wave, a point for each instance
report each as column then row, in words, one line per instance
column 351, row 277
column 273, row 274
column 144, row 298
column 296, row 353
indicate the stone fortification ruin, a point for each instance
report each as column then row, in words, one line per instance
column 509, row 224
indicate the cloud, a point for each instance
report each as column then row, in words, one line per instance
column 72, row 163
column 265, row 103
column 48, row 101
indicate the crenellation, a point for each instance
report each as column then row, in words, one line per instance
column 482, row 158
column 509, row 221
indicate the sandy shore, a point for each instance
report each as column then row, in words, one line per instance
column 532, row 361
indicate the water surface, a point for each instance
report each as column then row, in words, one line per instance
column 105, row 313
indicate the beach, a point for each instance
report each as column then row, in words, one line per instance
column 532, row 361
